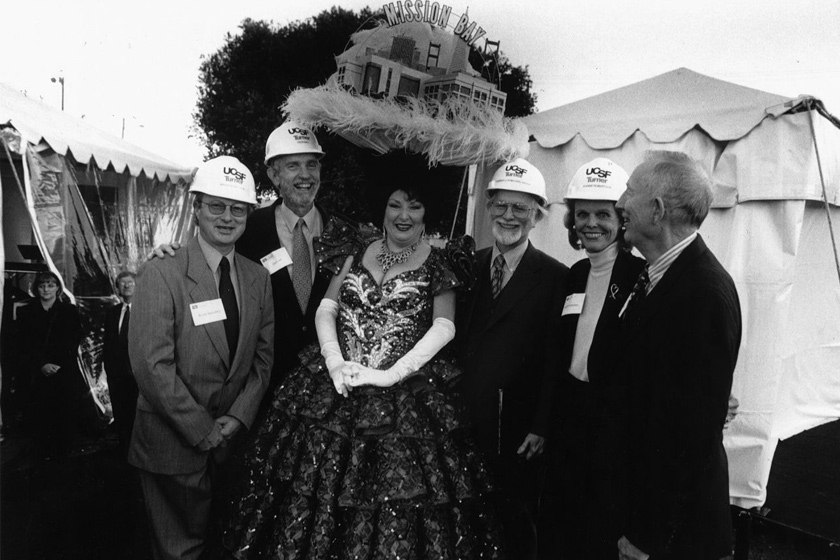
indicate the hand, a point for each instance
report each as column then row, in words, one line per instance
column 356, row 375
column 162, row 250
column 228, row 426
column 212, row 440
column 627, row 551
column 49, row 369
column 337, row 375
column 533, row 446
column 732, row 411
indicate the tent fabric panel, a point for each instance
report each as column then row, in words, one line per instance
column 37, row 121
column 664, row 108
column 777, row 160
column 810, row 391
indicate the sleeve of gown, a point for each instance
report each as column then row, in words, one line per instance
column 455, row 267
column 339, row 240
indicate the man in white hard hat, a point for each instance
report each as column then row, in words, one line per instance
column 281, row 237
column 506, row 335
column 201, row 344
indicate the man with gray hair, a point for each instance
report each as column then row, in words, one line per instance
column 676, row 354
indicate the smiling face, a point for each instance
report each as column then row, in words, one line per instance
column 220, row 231
column 637, row 209
column 404, row 220
column 297, row 178
column 509, row 230
column 596, row 223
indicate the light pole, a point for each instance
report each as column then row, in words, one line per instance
column 60, row 80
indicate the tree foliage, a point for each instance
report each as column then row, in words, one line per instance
column 243, row 84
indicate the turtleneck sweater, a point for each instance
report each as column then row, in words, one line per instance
column 597, row 284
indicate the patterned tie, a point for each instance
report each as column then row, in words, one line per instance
column 498, row 274
column 229, row 303
column 302, row 274
column 124, row 325
column 637, row 296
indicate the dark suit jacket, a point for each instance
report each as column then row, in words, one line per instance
column 121, row 385
column 510, row 344
column 293, row 328
column 677, row 353
column 624, row 274
column 184, row 372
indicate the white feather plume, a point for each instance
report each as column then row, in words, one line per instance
column 453, row 132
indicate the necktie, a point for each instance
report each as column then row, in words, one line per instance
column 639, row 292
column 124, row 325
column 498, row 273
column 302, row 274
column 229, row 303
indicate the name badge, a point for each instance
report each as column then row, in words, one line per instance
column 574, row 304
column 276, row 260
column 208, row 311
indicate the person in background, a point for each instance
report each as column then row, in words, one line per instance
column 676, row 354
column 507, row 345
column 580, row 518
column 201, row 347
column 50, row 334
column 121, row 384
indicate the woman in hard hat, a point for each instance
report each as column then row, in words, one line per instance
column 362, row 453
column 583, row 515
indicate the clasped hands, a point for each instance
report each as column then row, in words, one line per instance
column 224, row 428
column 347, row 375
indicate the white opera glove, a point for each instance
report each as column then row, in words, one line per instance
column 325, row 318
column 439, row 335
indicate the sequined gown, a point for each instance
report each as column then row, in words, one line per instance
column 384, row 474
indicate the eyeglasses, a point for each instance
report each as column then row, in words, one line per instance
column 218, row 208
column 520, row 211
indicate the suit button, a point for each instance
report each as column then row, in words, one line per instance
column 304, row 328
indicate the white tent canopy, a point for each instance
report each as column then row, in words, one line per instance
column 37, row 122
column 769, row 227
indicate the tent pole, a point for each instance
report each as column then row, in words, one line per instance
column 811, row 108
column 458, row 206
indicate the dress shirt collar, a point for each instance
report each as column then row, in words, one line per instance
column 658, row 269
column 290, row 219
column 512, row 258
column 213, row 256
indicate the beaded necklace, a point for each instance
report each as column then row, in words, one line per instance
column 387, row 258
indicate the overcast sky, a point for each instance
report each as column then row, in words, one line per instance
column 138, row 62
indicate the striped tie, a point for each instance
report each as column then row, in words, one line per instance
column 302, row 273
column 498, row 273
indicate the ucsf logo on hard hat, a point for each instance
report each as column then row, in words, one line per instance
column 233, row 175
column 515, row 171
column 603, row 173
column 299, row 134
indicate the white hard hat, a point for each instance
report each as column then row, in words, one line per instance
column 225, row 177
column 520, row 176
column 291, row 138
column 600, row 179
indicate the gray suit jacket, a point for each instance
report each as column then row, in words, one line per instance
column 182, row 370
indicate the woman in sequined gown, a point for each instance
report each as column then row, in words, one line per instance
column 362, row 453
